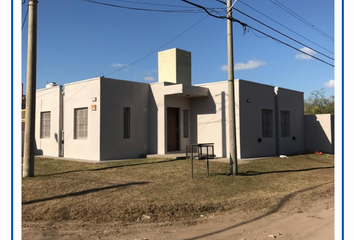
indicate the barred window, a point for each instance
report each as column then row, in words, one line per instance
column 80, row 123
column 126, row 122
column 285, row 123
column 267, row 123
column 45, row 125
column 185, row 123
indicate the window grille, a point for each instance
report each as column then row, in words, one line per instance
column 45, row 125
column 285, row 123
column 185, row 124
column 267, row 123
column 126, row 122
column 80, row 123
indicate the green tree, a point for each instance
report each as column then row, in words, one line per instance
column 318, row 103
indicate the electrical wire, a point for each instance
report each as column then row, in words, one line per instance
column 278, row 31
column 235, row 20
column 158, row 47
column 24, row 20
column 154, row 4
column 143, row 9
column 285, row 26
column 275, row 2
column 244, row 25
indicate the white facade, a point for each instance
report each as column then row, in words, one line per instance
column 124, row 119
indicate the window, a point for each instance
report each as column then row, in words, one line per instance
column 45, row 125
column 267, row 123
column 285, row 123
column 126, row 122
column 185, row 123
column 80, row 123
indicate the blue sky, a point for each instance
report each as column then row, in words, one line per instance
column 79, row 40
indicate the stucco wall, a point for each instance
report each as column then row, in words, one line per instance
column 319, row 133
column 115, row 95
column 48, row 99
column 254, row 97
column 209, row 118
column 292, row 101
column 79, row 95
column 157, row 119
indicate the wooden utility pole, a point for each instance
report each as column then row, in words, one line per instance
column 29, row 139
column 231, row 90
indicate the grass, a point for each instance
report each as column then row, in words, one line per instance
column 163, row 189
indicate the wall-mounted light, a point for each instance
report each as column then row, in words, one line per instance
column 248, row 100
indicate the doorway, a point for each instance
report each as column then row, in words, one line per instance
column 172, row 129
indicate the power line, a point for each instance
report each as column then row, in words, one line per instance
column 143, row 9
column 244, row 25
column 158, row 47
column 275, row 2
column 24, row 20
column 154, row 4
column 285, row 26
column 279, row 32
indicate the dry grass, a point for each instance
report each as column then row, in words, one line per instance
column 163, row 189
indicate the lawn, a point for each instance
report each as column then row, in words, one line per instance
column 163, row 189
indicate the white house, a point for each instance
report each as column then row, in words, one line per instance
column 103, row 119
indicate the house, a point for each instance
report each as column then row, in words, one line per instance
column 102, row 118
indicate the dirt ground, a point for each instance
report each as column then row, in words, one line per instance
column 293, row 218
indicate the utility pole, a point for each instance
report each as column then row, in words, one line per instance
column 29, row 141
column 231, row 90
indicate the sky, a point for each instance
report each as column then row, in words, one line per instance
column 79, row 40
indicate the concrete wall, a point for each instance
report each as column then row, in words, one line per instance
column 319, row 133
column 254, row 97
column 174, row 65
column 292, row 101
column 208, row 120
column 157, row 119
column 115, row 95
column 48, row 99
column 80, row 95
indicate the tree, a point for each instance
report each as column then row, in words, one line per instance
column 318, row 103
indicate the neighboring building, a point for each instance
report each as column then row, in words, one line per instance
column 102, row 118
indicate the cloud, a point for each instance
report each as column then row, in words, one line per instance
column 329, row 84
column 251, row 64
column 149, row 79
column 304, row 56
column 118, row 65
column 224, row 68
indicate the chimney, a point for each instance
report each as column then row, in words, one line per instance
column 175, row 66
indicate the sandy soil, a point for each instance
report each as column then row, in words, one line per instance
column 294, row 220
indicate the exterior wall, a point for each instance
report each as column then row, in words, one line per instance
column 174, row 65
column 115, row 95
column 293, row 102
column 254, row 97
column 319, row 133
column 79, row 95
column 208, row 120
column 183, row 104
column 48, row 99
column 157, row 119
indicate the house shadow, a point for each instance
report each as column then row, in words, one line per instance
column 254, row 173
column 80, row 193
column 281, row 203
column 111, row 167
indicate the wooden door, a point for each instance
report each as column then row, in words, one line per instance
column 172, row 129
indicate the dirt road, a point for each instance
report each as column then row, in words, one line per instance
column 295, row 220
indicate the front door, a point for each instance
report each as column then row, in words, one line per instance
column 172, row 129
